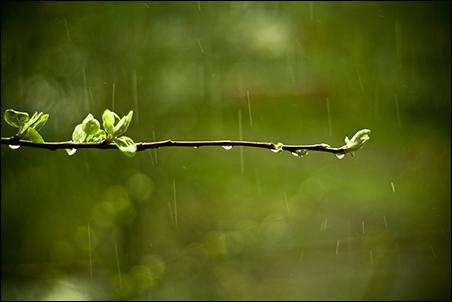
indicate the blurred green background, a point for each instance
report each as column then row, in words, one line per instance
column 184, row 223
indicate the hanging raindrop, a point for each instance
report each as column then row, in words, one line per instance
column 14, row 147
column 340, row 156
column 277, row 148
column 300, row 152
column 72, row 151
column 227, row 147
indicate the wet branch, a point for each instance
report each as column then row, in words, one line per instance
column 171, row 143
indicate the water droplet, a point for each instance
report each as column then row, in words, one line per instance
column 227, row 147
column 300, row 152
column 196, row 147
column 340, row 156
column 277, row 148
column 72, row 151
column 14, row 147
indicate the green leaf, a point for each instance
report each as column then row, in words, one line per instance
column 108, row 119
column 34, row 118
column 97, row 137
column 78, row 135
column 91, row 126
column 87, row 118
column 41, row 122
column 123, row 124
column 126, row 145
column 34, row 136
column 15, row 118
column 88, row 131
column 117, row 118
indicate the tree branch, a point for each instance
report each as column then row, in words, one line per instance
column 170, row 143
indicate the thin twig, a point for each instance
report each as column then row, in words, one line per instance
column 171, row 143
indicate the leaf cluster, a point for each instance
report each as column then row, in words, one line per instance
column 88, row 131
column 27, row 127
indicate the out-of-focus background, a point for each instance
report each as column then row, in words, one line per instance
column 184, row 223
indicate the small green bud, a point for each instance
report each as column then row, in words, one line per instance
column 357, row 141
column 277, row 147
